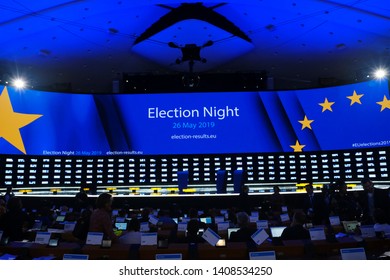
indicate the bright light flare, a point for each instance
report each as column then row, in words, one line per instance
column 19, row 83
column 380, row 73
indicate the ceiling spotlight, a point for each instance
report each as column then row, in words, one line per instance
column 380, row 73
column 19, row 83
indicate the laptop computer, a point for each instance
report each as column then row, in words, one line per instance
column 221, row 243
column 276, row 231
column 230, row 230
column 367, row 231
column 60, row 218
column 350, row 226
column 121, row 226
column 206, row 220
column 353, row 254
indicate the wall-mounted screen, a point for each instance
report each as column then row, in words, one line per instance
column 57, row 124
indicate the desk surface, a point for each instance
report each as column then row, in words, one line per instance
column 291, row 249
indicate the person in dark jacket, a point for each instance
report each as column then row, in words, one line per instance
column 314, row 205
column 244, row 234
column 373, row 198
column 296, row 231
column 14, row 223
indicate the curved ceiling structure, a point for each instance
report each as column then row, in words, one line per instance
column 88, row 43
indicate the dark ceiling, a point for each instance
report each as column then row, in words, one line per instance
column 90, row 43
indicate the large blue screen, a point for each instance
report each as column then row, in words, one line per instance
column 336, row 118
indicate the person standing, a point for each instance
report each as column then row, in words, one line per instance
column 101, row 217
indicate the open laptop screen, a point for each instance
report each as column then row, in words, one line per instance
column 277, row 231
column 206, row 220
column 350, row 226
column 60, row 218
column 230, row 230
column 121, row 226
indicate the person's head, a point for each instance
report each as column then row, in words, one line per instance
column 242, row 219
column 192, row 228
column 276, row 190
column 380, row 216
column 309, row 189
column 104, row 201
column 134, row 225
column 244, row 189
column 9, row 189
column 299, row 218
column 14, row 204
column 145, row 213
column 368, row 185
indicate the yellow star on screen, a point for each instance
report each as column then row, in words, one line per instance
column 11, row 122
column 306, row 123
column 297, row 147
column 326, row 105
column 355, row 98
column 385, row 103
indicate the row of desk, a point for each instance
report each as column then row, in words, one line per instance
column 294, row 249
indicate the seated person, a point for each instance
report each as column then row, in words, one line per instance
column 381, row 224
column 144, row 215
column 244, row 233
column 14, row 222
column 193, row 215
column 193, row 235
column 101, row 217
column 296, row 231
column 343, row 204
column 133, row 236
